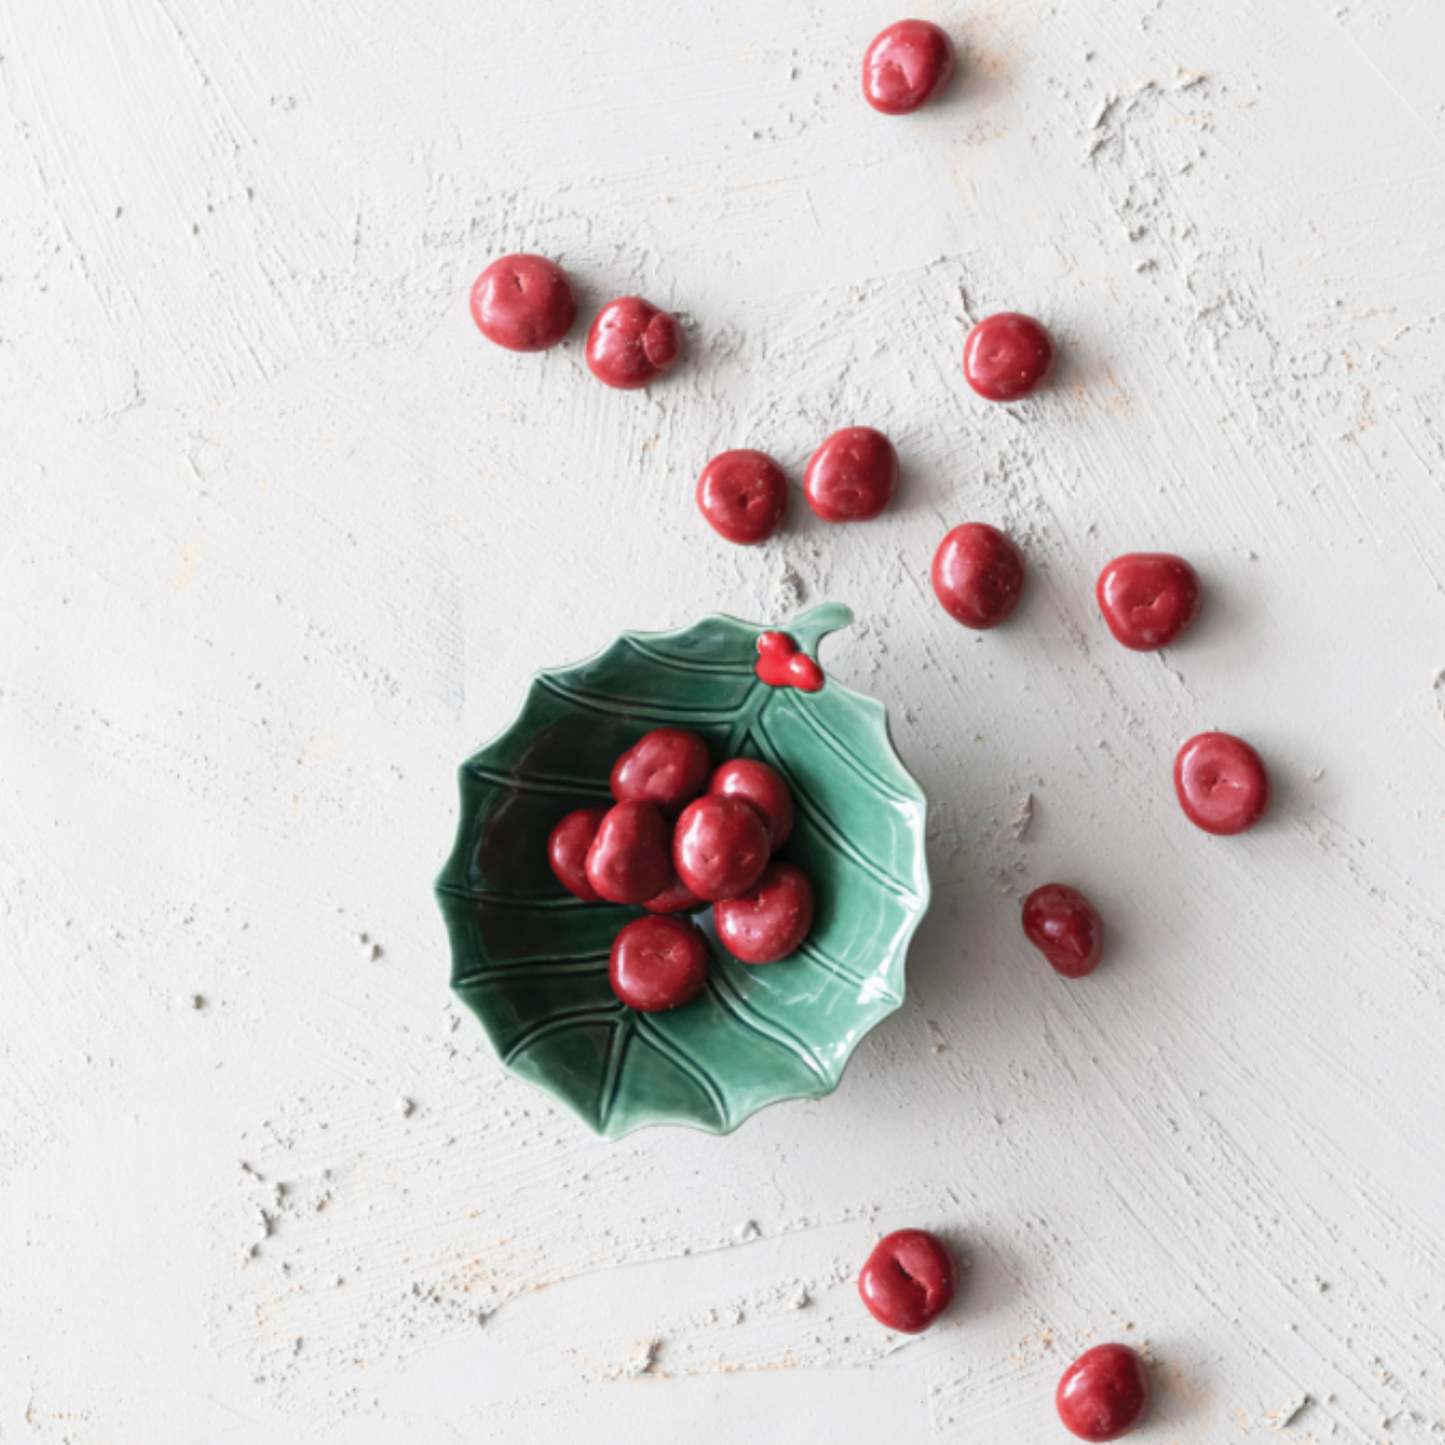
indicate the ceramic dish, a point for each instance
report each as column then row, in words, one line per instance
column 531, row 961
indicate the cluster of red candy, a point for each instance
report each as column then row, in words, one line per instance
column 680, row 836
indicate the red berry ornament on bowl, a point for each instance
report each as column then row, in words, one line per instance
column 978, row 575
column 1222, row 783
column 668, row 766
column 768, row 923
column 524, row 303
column 1104, row 1394
column 1148, row 599
column 743, row 495
column 631, row 343
column 852, row 477
column 906, row 66
column 908, row 1280
column 1007, row 356
column 1065, row 927
column 657, row 964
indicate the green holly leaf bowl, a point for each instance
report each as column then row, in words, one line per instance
column 531, row 961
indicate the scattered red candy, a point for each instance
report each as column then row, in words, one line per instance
column 567, row 848
column 1065, row 927
column 1104, row 1393
column 978, row 575
column 770, row 922
column 629, row 860
column 677, row 897
column 1148, row 598
column 852, row 477
column 907, row 64
column 1007, row 356
column 743, row 495
column 631, row 342
column 1222, row 783
column 756, row 783
column 658, row 963
column 720, row 847
column 908, row 1280
column 668, row 766
column 524, row 303
column 780, row 664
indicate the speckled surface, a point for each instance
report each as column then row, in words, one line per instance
column 284, row 539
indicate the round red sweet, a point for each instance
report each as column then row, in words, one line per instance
column 657, row 964
column 907, row 64
column 1104, row 1393
column 677, row 897
column 1007, row 356
column 1065, row 927
column 743, row 495
column 768, row 923
column 630, row 860
column 978, row 575
column 1222, row 783
column 567, row 849
column 631, row 342
column 1148, row 598
column 908, row 1280
column 852, row 477
column 720, row 847
column 524, row 303
column 756, row 783
column 668, row 766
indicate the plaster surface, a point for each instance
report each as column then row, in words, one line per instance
column 284, row 538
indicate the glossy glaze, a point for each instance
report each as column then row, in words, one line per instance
column 1222, row 783
column 1104, row 1394
column 1148, row 599
column 770, row 921
column 780, row 664
column 906, row 66
column 755, row 782
column 853, row 476
column 1008, row 356
column 567, row 848
column 720, row 847
column 978, row 575
column 532, row 963
column 668, row 766
column 743, row 495
column 632, row 342
column 657, row 964
column 1065, row 927
column 524, row 303
column 630, row 858
column 908, row 1280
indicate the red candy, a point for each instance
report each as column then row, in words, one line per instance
column 978, row 575
column 1007, row 356
column 780, row 664
column 720, row 847
column 1065, row 927
column 906, row 65
column 756, row 783
column 631, row 342
column 669, row 767
column 677, row 897
column 852, row 477
column 908, row 1280
column 523, row 303
column 567, row 848
column 743, row 495
column 1104, row 1393
column 658, row 964
column 629, row 860
column 1148, row 598
column 770, row 922
column 1222, row 783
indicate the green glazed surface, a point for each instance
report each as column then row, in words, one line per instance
column 531, row 961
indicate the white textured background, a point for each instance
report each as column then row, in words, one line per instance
column 283, row 539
